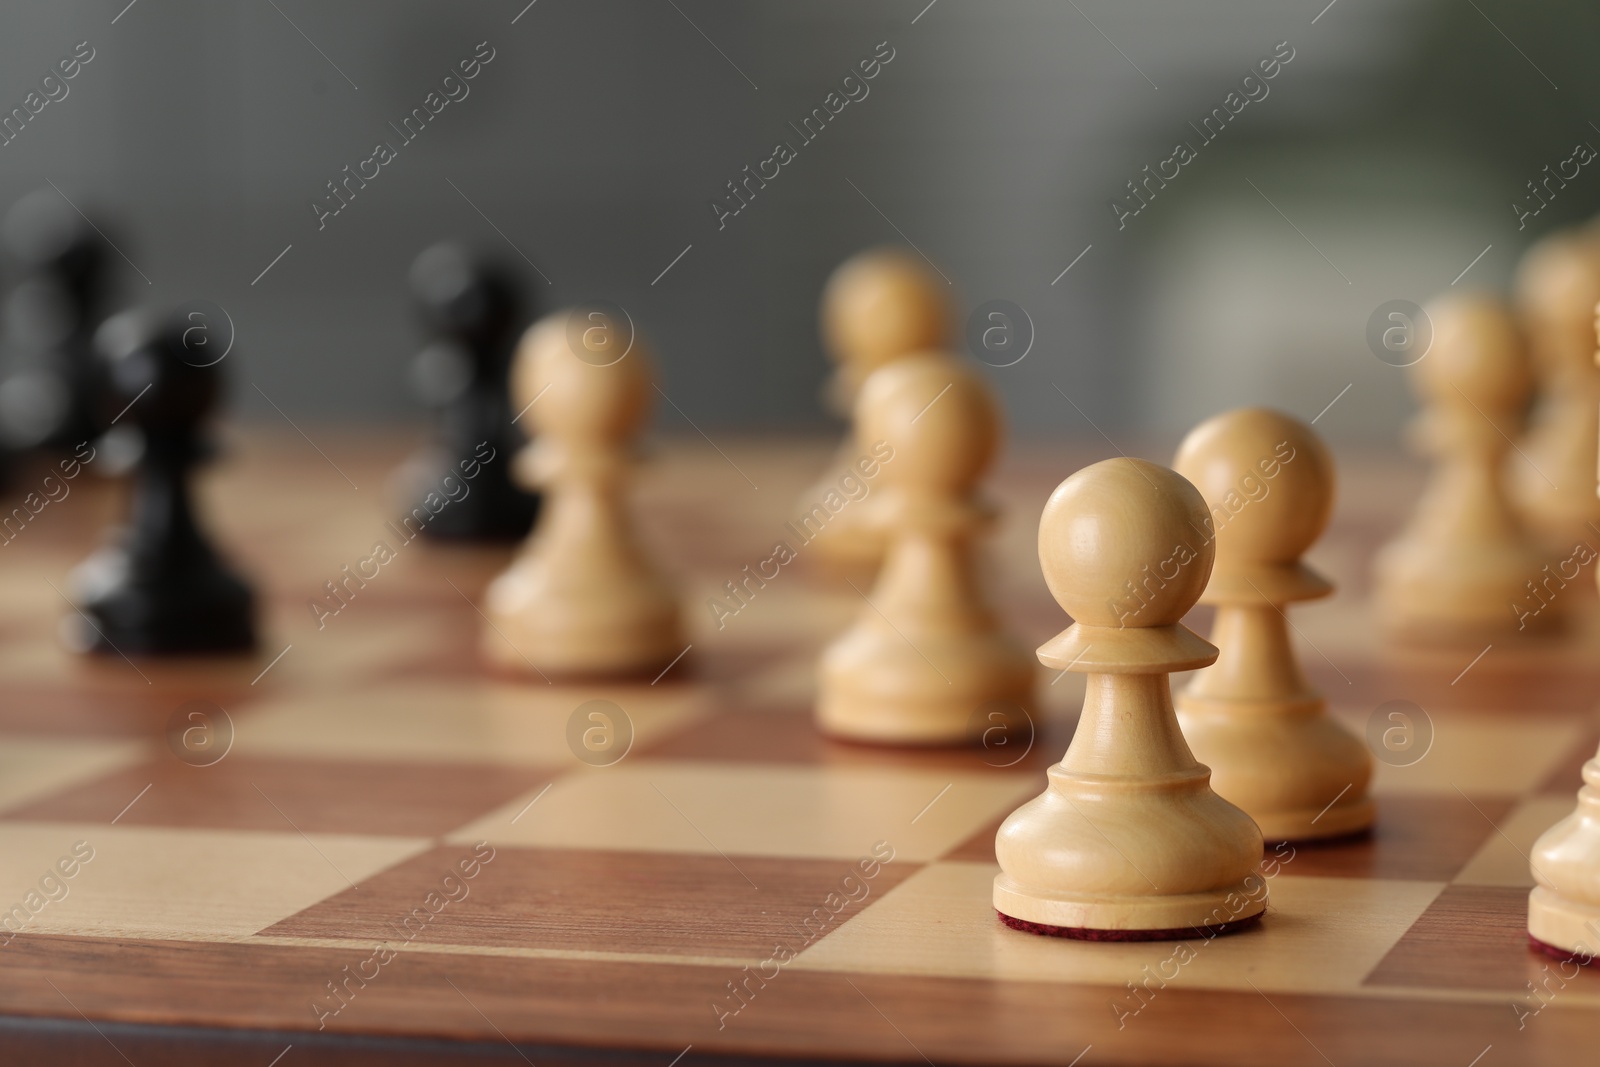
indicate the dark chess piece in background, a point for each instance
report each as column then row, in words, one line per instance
column 49, row 395
column 158, row 586
column 471, row 308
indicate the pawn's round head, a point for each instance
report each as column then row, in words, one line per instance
column 1123, row 543
column 1477, row 355
column 1267, row 479
column 880, row 305
column 459, row 296
column 1557, row 287
column 571, row 382
column 153, row 376
column 937, row 414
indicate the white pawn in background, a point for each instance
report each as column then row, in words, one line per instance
column 581, row 598
column 1252, row 716
column 878, row 306
column 1128, row 841
column 926, row 654
column 1464, row 570
column 1552, row 483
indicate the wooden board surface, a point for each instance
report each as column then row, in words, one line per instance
column 623, row 903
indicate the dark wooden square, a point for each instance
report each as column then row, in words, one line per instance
column 654, row 903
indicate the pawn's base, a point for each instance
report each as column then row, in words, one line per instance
column 1350, row 837
column 502, row 663
column 1079, row 933
column 588, row 618
column 203, row 610
column 875, row 688
column 617, row 648
column 1144, row 916
column 552, row 661
column 1563, row 927
column 1340, row 820
column 1582, row 959
column 1453, row 632
column 1293, row 769
column 1428, row 603
column 927, row 720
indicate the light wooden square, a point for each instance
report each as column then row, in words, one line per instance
column 1504, row 857
column 1319, row 935
column 349, row 648
column 34, row 766
column 771, row 810
column 187, row 885
column 1475, row 755
column 469, row 721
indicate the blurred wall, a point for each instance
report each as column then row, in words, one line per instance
column 994, row 140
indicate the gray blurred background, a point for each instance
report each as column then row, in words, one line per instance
column 1382, row 163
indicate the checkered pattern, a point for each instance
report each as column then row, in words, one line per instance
column 368, row 761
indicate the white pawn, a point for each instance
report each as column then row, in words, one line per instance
column 581, row 598
column 1128, row 842
column 1564, row 907
column 1558, row 283
column 879, row 306
column 1463, row 570
column 1252, row 717
column 925, row 653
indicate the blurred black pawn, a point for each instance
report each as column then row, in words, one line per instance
column 158, row 586
column 50, row 391
column 471, row 309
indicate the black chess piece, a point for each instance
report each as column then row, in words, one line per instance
column 49, row 397
column 158, row 587
column 471, row 308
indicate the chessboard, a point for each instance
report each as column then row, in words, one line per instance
column 357, row 846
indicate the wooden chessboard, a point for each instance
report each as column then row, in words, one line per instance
column 329, row 836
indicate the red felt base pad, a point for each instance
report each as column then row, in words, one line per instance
column 1583, row 959
column 1077, row 933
